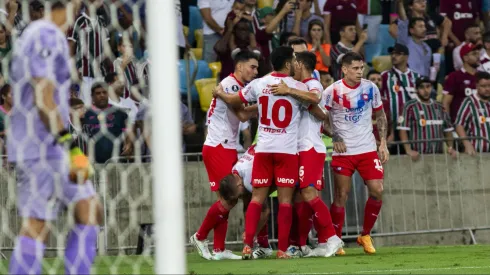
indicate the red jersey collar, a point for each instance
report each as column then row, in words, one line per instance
column 351, row 87
column 239, row 82
column 276, row 74
column 308, row 79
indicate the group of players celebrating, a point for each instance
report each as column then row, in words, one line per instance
column 293, row 112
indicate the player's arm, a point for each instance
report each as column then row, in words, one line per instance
column 317, row 112
column 446, row 101
column 311, row 97
column 247, row 138
column 468, row 147
column 448, row 133
column 48, row 109
column 245, row 113
column 382, row 125
column 233, row 100
column 327, row 126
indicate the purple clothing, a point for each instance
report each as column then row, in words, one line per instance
column 27, row 256
column 81, row 249
column 40, row 52
column 43, row 187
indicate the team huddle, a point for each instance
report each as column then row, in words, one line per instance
column 293, row 111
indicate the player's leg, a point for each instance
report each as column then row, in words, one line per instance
column 262, row 173
column 37, row 206
column 220, row 229
column 286, row 177
column 264, row 249
column 218, row 162
column 310, row 176
column 371, row 171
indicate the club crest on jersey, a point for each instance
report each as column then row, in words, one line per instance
column 483, row 119
column 422, row 122
column 401, row 119
column 365, row 97
column 235, row 88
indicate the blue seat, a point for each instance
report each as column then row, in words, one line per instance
column 203, row 71
column 371, row 51
column 384, row 39
column 195, row 22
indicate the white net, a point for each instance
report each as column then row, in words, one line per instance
column 89, row 77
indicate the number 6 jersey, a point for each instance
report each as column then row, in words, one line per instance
column 279, row 116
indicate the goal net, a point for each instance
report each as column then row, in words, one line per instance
column 102, row 98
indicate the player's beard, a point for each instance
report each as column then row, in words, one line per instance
column 291, row 71
column 475, row 65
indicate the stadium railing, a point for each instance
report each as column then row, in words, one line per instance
column 436, row 194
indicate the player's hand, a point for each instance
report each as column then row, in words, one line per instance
column 383, row 152
column 470, row 150
column 13, row 6
column 414, row 155
column 280, row 89
column 218, row 90
column 339, row 147
column 363, row 36
column 452, row 152
column 127, row 149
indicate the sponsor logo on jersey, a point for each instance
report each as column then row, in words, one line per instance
column 469, row 91
column 261, row 181
column 285, row 180
column 462, row 15
column 484, row 120
column 272, row 130
column 424, row 122
column 212, row 183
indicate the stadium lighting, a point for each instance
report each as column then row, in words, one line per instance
column 168, row 189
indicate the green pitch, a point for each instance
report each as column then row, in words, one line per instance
column 388, row 260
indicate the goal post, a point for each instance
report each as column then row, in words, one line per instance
column 168, row 187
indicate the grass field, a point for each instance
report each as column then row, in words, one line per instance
column 388, row 260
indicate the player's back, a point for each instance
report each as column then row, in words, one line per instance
column 40, row 52
column 350, row 111
column 222, row 122
column 310, row 128
column 278, row 115
column 244, row 166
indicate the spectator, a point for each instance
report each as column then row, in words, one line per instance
column 485, row 57
column 286, row 37
column 338, row 13
column 214, row 14
column 105, row 127
column 5, row 46
column 369, row 13
column 326, row 79
column 462, row 14
column 239, row 29
column 264, row 36
column 375, row 77
column 74, row 90
column 462, row 83
column 16, row 23
column 77, row 113
column 472, row 35
column 124, row 66
column 424, row 118
column 473, row 118
column 346, row 44
column 143, row 124
column 398, row 87
column 300, row 45
column 299, row 20
column 6, row 100
column 182, row 42
column 188, row 125
column 417, row 8
column 421, row 55
column 87, row 39
column 116, row 92
column 317, row 44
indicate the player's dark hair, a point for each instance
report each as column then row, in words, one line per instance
column 414, row 21
column 308, row 59
column 350, row 57
column 227, row 187
column 4, row 91
column 74, row 101
column 371, row 72
column 96, row 86
column 283, row 39
column 58, row 5
column 280, row 56
column 297, row 41
column 345, row 25
column 110, row 78
column 482, row 75
column 244, row 56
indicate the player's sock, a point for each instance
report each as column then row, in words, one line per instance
column 27, row 256
column 293, row 233
column 321, row 231
column 323, row 216
column 252, row 218
column 338, row 215
column 211, row 219
column 220, row 233
column 263, row 236
column 304, row 213
column 371, row 212
column 81, row 249
column 284, row 220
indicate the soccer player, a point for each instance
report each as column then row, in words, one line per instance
column 473, row 117
column 424, row 118
column 238, row 184
column 219, row 155
column 47, row 179
column 276, row 157
column 350, row 102
column 312, row 152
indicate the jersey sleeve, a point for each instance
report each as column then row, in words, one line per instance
column 203, row 4
column 447, row 124
column 449, row 85
column 248, row 93
column 377, row 103
column 406, row 117
column 328, row 95
column 72, row 33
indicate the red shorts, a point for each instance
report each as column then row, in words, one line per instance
column 278, row 167
column 218, row 162
column 368, row 165
column 311, row 165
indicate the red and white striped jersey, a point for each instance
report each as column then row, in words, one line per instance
column 351, row 109
column 222, row 122
column 279, row 116
column 474, row 116
column 310, row 128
